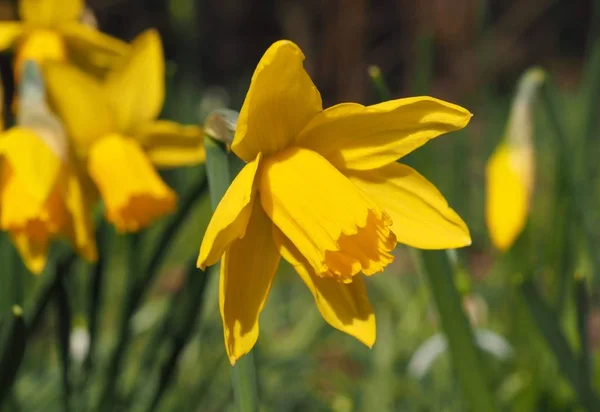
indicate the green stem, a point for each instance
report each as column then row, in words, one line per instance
column 221, row 168
column 583, row 308
column 461, row 343
column 63, row 332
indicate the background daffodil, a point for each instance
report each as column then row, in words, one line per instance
column 50, row 30
column 42, row 194
column 115, row 132
column 510, row 171
column 321, row 188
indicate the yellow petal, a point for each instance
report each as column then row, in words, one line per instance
column 9, row 34
column 34, row 252
column 507, row 196
column 32, row 161
column 136, row 85
column 353, row 136
column 332, row 224
column 247, row 271
column 79, row 101
column 134, row 194
column 50, row 12
column 231, row 217
column 420, row 214
column 91, row 49
column 31, row 222
column 345, row 306
column 79, row 201
column 282, row 99
column 41, row 46
column 169, row 144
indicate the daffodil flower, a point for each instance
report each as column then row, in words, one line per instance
column 322, row 189
column 50, row 30
column 43, row 194
column 510, row 171
column 115, row 132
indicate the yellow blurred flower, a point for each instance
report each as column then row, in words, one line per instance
column 321, row 188
column 50, row 30
column 43, row 195
column 113, row 128
column 510, row 171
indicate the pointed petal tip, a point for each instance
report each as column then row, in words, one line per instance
column 232, row 360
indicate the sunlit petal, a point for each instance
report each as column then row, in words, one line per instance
column 281, row 100
column 247, row 271
column 345, row 306
column 332, row 224
column 353, row 136
column 10, row 32
column 421, row 216
column 231, row 217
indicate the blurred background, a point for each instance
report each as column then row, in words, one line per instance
column 470, row 52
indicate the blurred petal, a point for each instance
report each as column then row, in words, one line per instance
column 353, row 136
column 247, row 271
column 133, row 192
column 30, row 221
column 79, row 101
column 9, row 34
column 136, row 85
column 32, row 161
column 345, row 306
column 281, row 100
column 420, row 214
column 328, row 220
column 230, row 219
column 507, row 195
column 41, row 46
column 79, row 201
column 169, row 144
column 91, row 49
column 50, row 12
column 33, row 252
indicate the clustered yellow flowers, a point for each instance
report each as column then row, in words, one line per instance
column 98, row 137
column 322, row 189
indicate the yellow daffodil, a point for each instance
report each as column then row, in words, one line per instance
column 115, row 133
column 510, row 170
column 42, row 194
column 50, row 30
column 322, row 189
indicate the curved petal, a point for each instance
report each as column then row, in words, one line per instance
column 92, row 49
column 136, row 85
column 50, row 12
column 420, row 214
column 353, row 136
column 32, row 161
column 133, row 192
column 508, row 189
column 247, row 272
column 332, row 224
column 33, row 252
column 345, row 306
column 282, row 99
column 79, row 201
column 231, row 217
column 169, row 144
column 9, row 34
column 79, row 101
column 41, row 46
